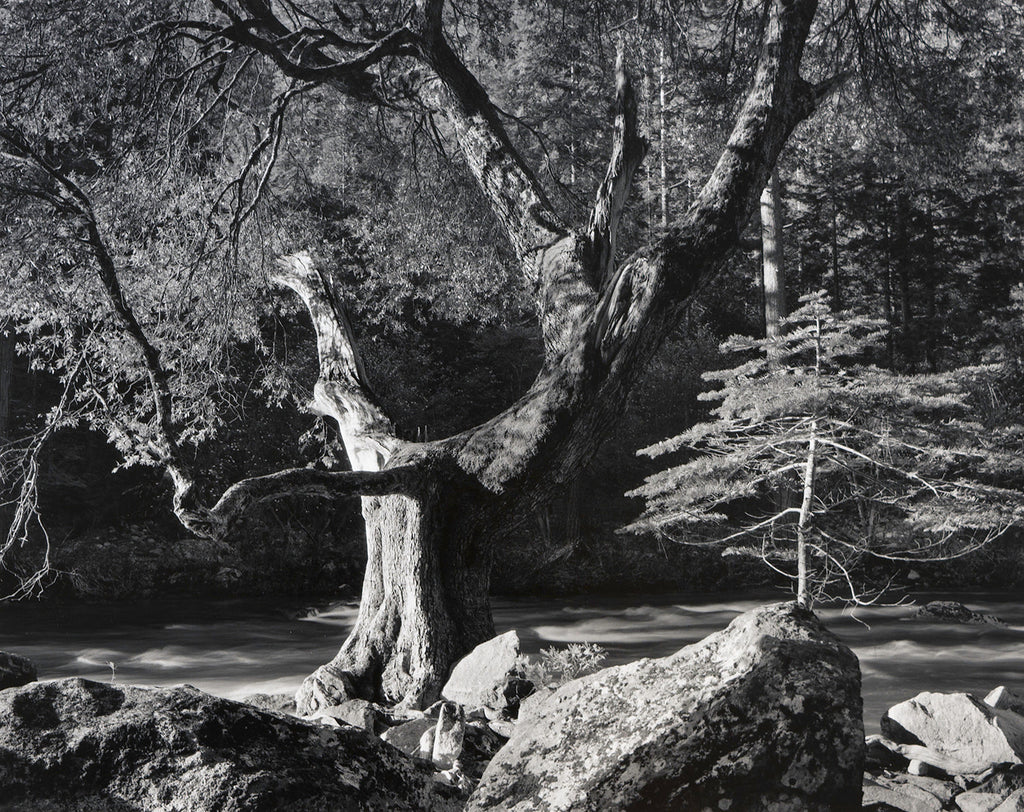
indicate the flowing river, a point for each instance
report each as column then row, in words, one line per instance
column 235, row 648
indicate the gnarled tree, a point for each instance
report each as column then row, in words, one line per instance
column 434, row 511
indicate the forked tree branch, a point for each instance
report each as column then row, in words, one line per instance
column 628, row 151
column 342, row 391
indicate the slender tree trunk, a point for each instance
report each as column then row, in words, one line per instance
column 901, row 244
column 931, row 297
column 662, row 139
column 837, row 280
column 804, row 521
column 890, row 343
column 6, row 377
column 773, row 270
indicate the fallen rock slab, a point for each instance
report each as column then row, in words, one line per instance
column 77, row 744
column 975, row 801
column 481, row 678
column 905, row 797
column 763, row 715
column 958, row 726
column 16, row 670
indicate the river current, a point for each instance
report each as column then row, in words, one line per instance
column 235, row 648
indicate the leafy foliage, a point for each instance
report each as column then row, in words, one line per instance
column 559, row 666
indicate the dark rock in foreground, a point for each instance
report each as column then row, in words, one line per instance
column 15, row 670
column 763, row 715
column 76, row 744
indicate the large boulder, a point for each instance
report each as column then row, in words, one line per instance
column 482, row 677
column 77, row 744
column 958, row 726
column 15, row 670
column 763, row 715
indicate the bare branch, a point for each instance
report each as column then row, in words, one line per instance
column 342, row 391
column 305, row 482
column 78, row 207
column 515, row 194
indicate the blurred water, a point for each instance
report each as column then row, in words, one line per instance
column 234, row 648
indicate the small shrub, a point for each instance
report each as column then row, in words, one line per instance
column 559, row 666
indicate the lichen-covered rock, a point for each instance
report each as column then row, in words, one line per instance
column 765, row 715
column 279, row 703
column 530, row 704
column 958, row 726
column 76, row 744
column 482, row 677
column 15, row 670
column 955, row 612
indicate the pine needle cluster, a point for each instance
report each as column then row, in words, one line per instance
column 816, row 459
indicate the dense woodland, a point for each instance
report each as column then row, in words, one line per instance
column 158, row 158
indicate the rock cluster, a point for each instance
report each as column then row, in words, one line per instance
column 459, row 734
column 763, row 715
column 77, row 744
column 949, row 752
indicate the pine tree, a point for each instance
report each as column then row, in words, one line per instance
column 890, row 466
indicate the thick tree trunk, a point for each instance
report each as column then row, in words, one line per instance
column 424, row 602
